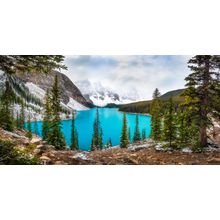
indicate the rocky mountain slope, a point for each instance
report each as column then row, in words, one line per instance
column 101, row 96
column 31, row 88
column 45, row 81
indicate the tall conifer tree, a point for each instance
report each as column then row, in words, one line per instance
column 169, row 128
column 203, row 92
column 55, row 136
column 156, row 116
column 137, row 135
column 22, row 116
column 47, row 116
column 124, row 134
column 6, row 112
column 74, row 135
column 29, row 130
column 97, row 143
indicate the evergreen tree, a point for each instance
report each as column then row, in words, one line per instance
column 55, row 136
column 203, row 92
column 129, row 135
column 10, row 64
column 137, row 136
column 18, row 123
column 183, row 126
column 100, row 139
column 29, row 130
column 143, row 136
column 156, row 116
column 47, row 116
column 97, row 143
column 6, row 112
column 36, row 130
column 156, row 94
column 124, row 134
column 169, row 129
column 22, row 116
column 74, row 135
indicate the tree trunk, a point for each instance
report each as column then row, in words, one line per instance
column 203, row 137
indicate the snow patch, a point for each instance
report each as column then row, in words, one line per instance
column 73, row 104
column 35, row 90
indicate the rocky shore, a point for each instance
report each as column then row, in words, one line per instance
column 148, row 153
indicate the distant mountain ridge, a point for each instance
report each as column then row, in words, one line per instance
column 144, row 106
column 172, row 93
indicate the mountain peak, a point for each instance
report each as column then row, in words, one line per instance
column 101, row 95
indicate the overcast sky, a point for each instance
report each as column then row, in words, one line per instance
column 130, row 73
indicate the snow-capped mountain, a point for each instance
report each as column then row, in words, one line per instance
column 31, row 88
column 101, row 96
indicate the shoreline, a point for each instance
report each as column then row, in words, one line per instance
column 135, row 113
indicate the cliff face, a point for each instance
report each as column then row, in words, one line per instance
column 68, row 89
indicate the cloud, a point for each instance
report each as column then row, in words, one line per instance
column 127, row 73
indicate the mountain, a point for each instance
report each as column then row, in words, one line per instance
column 31, row 88
column 173, row 93
column 45, row 81
column 102, row 96
column 144, row 106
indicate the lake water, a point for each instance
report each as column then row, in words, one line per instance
column 111, row 123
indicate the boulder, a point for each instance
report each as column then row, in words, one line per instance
column 35, row 140
column 45, row 159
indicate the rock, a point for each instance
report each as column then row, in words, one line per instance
column 215, row 160
column 35, row 140
column 45, row 159
column 81, row 156
column 135, row 148
column 43, row 147
column 186, row 150
column 37, row 151
column 59, row 162
column 15, row 135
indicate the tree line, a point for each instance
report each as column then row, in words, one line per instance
column 188, row 123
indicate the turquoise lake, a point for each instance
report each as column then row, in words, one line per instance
column 111, row 123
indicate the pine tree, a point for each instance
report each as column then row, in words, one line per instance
column 11, row 64
column 47, row 116
column 100, row 139
column 129, row 135
column 36, row 130
column 156, row 116
column 6, row 112
column 137, row 136
column 143, row 136
column 169, row 128
column 18, row 123
column 55, row 136
column 74, row 135
column 124, row 134
column 203, row 92
column 156, row 94
column 97, row 143
column 29, row 130
column 183, row 126
column 22, row 116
